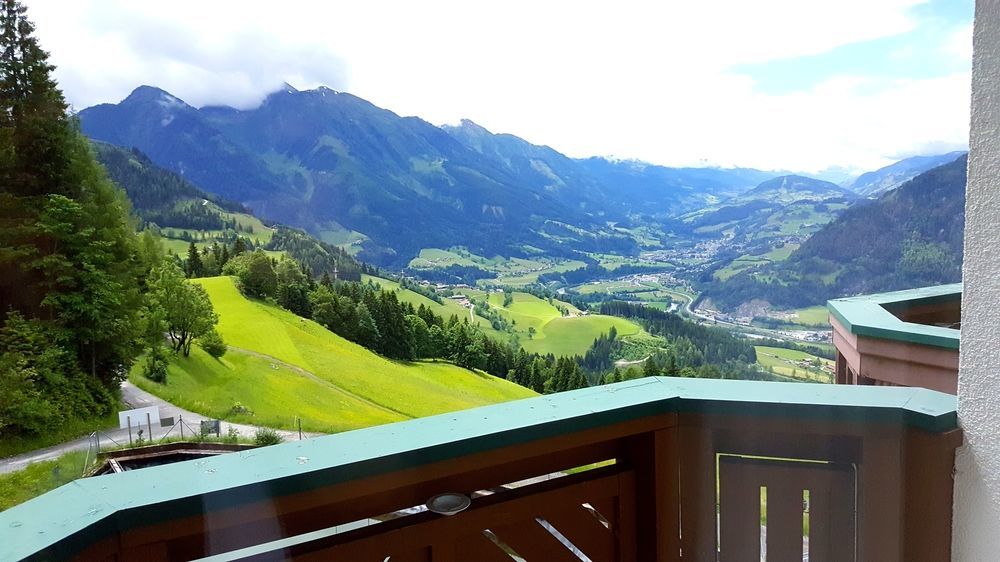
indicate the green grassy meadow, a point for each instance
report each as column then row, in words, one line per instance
column 40, row 477
column 793, row 363
column 359, row 388
column 445, row 309
column 554, row 333
column 813, row 316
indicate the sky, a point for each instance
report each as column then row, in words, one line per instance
column 803, row 85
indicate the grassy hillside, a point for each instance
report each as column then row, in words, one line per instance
column 553, row 332
column 286, row 366
column 445, row 309
column 795, row 364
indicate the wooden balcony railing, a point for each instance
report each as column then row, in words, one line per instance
column 673, row 469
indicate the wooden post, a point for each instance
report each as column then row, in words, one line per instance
column 149, row 427
column 300, row 428
column 652, row 456
column 180, row 421
column 128, row 420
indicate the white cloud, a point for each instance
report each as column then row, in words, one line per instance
column 635, row 79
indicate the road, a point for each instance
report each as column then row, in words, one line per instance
column 134, row 397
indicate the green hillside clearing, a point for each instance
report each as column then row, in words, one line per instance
column 288, row 366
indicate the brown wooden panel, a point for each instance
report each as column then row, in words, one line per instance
column 488, row 512
column 583, row 530
column 696, row 454
column 533, row 542
column 784, row 523
column 276, row 517
column 739, row 515
column 419, row 555
column 929, row 460
column 831, row 517
column 880, row 513
column 478, row 548
column 832, row 494
column 607, row 508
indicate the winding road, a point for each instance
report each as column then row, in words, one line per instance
column 134, row 397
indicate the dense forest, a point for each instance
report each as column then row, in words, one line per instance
column 162, row 197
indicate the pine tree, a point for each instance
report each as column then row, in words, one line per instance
column 70, row 266
column 649, row 368
column 194, row 265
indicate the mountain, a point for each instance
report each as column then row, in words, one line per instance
column 329, row 161
column 786, row 189
column 661, row 191
column 183, row 213
column 342, row 168
column 873, row 184
column 614, row 189
column 909, row 237
column 162, row 197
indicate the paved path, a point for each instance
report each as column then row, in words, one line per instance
column 135, row 398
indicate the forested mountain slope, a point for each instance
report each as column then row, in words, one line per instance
column 910, row 237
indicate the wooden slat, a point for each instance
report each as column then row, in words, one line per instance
column 880, row 513
column 582, row 529
column 697, row 493
column 784, row 523
column 533, row 542
column 739, row 515
column 929, row 461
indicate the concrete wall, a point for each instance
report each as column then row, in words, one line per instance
column 977, row 486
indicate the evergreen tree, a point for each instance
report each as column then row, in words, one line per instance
column 649, row 368
column 70, row 268
column 194, row 267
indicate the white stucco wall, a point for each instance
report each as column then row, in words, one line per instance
column 977, row 482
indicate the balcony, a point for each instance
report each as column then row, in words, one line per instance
column 903, row 338
column 651, row 469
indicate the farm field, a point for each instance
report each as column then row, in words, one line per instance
column 509, row 271
column 343, row 384
column 793, row 363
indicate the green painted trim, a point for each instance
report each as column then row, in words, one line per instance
column 64, row 521
column 869, row 315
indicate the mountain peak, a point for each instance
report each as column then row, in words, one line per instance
column 146, row 94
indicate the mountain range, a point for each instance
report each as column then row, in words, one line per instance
column 873, row 184
column 329, row 161
column 908, row 237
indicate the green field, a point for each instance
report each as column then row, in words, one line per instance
column 745, row 262
column 308, row 371
column 792, row 363
column 40, row 477
column 446, row 309
column 554, row 333
column 813, row 316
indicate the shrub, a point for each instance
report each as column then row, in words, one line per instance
column 239, row 409
column 266, row 436
column 213, row 344
column 232, row 435
column 155, row 368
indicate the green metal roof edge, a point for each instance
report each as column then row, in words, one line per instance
column 85, row 511
column 867, row 316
